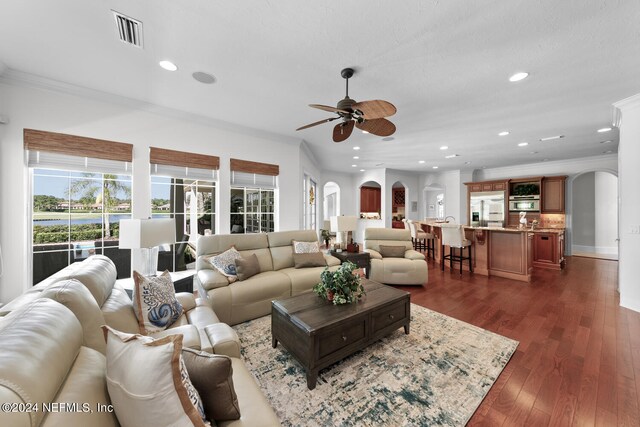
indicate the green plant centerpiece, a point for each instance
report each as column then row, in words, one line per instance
column 342, row 286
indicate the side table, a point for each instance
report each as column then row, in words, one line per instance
column 182, row 281
column 360, row 259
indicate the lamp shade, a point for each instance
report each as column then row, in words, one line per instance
column 344, row 223
column 326, row 225
column 146, row 233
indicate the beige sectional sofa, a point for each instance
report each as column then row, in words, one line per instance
column 249, row 299
column 411, row 269
column 52, row 347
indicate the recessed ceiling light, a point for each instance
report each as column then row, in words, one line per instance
column 356, row 148
column 421, row 161
column 533, row 152
column 451, row 156
column 354, row 166
column 545, row 160
column 518, row 76
column 203, row 77
column 388, row 138
column 444, row 147
column 467, row 163
column 602, row 130
column 168, row 65
column 356, row 157
column 365, row 131
column 361, row 170
column 435, row 167
column 523, row 144
column 504, row 133
column 606, row 142
column 551, row 138
column 608, row 152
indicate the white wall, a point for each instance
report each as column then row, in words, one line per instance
column 30, row 107
column 629, row 199
column 584, row 213
column 606, row 217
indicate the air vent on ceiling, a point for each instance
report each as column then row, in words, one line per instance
column 129, row 29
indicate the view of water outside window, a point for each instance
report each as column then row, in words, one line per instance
column 75, row 215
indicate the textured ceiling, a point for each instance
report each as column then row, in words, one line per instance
column 444, row 64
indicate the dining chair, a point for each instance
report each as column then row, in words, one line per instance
column 453, row 236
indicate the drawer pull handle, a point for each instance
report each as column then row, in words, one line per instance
column 344, row 338
column 391, row 316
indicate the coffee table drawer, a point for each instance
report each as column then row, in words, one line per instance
column 389, row 315
column 334, row 339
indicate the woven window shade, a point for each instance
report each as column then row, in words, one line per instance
column 254, row 167
column 162, row 156
column 79, row 146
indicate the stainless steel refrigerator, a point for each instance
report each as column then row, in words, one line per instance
column 487, row 209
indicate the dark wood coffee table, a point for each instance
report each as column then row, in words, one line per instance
column 318, row 333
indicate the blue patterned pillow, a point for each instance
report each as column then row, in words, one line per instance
column 154, row 302
column 225, row 263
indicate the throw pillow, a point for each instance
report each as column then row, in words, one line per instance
column 247, row 267
column 212, row 376
column 148, row 382
column 305, row 247
column 392, row 251
column 225, row 263
column 314, row 259
column 154, row 302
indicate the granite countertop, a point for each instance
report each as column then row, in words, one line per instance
column 507, row 229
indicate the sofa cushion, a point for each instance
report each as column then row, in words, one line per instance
column 98, row 273
column 190, row 335
column 155, row 390
column 388, row 251
column 244, row 243
column 39, row 343
column 303, row 279
column 212, row 376
column 374, row 237
column 154, row 302
column 282, row 249
column 225, row 263
column 118, row 311
column 247, row 267
column 306, row 260
column 211, row 279
column 77, row 298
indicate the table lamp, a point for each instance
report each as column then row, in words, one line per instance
column 343, row 224
column 147, row 235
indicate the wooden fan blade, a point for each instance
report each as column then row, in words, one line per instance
column 380, row 127
column 318, row 123
column 342, row 131
column 375, row 109
column 328, row 108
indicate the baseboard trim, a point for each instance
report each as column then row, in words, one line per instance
column 606, row 250
column 629, row 303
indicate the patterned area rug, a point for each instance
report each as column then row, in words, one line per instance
column 436, row 375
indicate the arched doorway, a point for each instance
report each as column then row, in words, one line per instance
column 331, row 201
column 593, row 218
column 399, row 207
column 434, row 195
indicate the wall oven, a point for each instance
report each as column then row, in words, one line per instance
column 524, row 203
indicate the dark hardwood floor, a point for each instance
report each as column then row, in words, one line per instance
column 578, row 361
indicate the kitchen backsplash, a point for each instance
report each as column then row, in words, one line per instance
column 552, row 221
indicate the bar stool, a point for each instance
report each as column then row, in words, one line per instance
column 453, row 236
column 422, row 239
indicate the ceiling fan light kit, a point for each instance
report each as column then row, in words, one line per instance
column 368, row 116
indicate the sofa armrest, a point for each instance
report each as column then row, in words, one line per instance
column 190, row 334
column 211, row 279
column 186, row 300
column 374, row 254
column 411, row 254
column 224, row 339
column 331, row 260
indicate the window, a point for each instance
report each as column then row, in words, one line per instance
column 253, row 197
column 252, row 210
column 183, row 187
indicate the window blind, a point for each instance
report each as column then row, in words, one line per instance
column 244, row 179
column 183, row 165
column 48, row 160
column 78, row 146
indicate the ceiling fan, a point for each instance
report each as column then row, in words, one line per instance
column 368, row 116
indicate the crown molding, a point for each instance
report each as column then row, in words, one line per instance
column 23, row 79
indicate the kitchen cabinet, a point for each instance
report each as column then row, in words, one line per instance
column 486, row 186
column 370, row 199
column 398, row 196
column 553, row 194
column 548, row 250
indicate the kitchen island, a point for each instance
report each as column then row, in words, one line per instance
column 502, row 252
